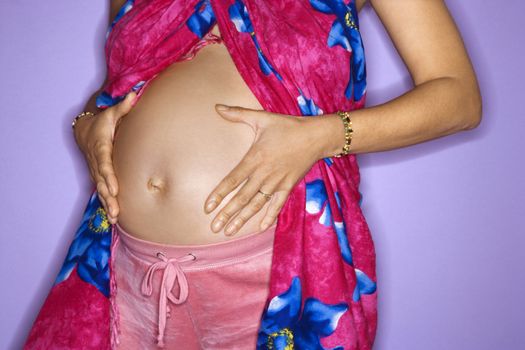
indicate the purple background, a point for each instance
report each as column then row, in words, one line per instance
column 445, row 215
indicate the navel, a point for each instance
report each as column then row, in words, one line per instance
column 157, row 185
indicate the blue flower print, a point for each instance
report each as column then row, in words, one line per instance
column 342, row 239
column 307, row 105
column 345, row 33
column 128, row 5
column 240, row 18
column 202, row 18
column 90, row 250
column 317, row 200
column 329, row 161
column 284, row 326
column 364, row 285
column 106, row 100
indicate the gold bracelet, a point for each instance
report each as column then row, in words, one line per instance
column 79, row 116
column 345, row 116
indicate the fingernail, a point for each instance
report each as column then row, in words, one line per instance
column 264, row 226
column 234, row 226
column 217, row 225
column 210, row 205
column 222, row 107
column 230, row 229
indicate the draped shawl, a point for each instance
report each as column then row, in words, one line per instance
column 298, row 57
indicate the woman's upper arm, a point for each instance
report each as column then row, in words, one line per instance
column 427, row 39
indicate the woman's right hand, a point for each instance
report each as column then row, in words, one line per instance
column 94, row 136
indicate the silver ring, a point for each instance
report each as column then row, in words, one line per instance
column 266, row 195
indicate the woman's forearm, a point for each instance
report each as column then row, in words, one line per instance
column 432, row 109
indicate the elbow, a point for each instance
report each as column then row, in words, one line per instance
column 472, row 108
column 474, row 113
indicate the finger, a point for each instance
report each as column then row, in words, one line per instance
column 113, row 205
column 228, row 184
column 105, row 165
column 92, row 175
column 92, row 167
column 241, row 199
column 106, row 170
column 109, row 202
column 100, row 191
column 124, row 106
column 256, row 204
column 112, row 208
column 274, row 208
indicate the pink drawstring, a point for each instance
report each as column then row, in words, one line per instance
column 172, row 273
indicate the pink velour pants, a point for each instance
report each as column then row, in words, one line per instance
column 190, row 296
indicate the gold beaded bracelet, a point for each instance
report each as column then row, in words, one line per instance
column 345, row 116
column 81, row 115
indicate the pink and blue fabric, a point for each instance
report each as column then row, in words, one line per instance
column 298, row 57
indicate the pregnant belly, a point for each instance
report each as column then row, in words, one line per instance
column 173, row 148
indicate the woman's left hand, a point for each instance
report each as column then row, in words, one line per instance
column 283, row 151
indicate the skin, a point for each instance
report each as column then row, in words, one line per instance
column 445, row 100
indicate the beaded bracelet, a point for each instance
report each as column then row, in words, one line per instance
column 81, row 115
column 345, row 116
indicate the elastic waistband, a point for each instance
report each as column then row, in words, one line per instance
column 206, row 255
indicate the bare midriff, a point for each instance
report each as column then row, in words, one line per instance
column 173, row 149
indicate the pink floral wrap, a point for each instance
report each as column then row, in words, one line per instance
column 298, row 57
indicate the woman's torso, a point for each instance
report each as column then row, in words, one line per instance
column 173, row 148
